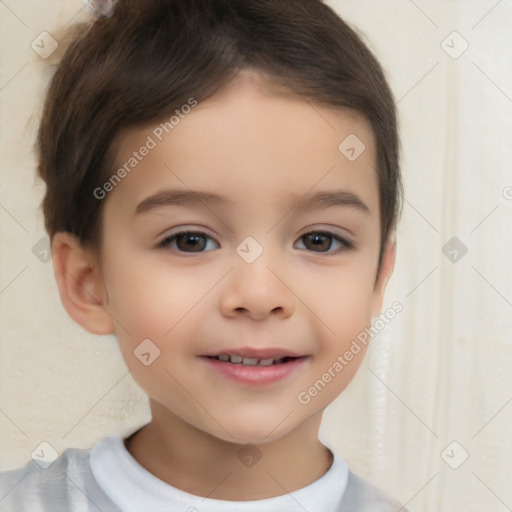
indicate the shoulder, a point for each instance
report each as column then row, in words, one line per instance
column 361, row 496
column 66, row 484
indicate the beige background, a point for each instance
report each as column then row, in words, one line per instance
column 440, row 372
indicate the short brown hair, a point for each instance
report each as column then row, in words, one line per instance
column 151, row 56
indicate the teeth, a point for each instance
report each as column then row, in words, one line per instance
column 249, row 361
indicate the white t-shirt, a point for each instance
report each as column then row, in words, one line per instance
column 108, row 479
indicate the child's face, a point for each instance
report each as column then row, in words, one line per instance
column 201, row 296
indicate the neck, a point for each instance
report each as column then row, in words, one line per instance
column 198, row 463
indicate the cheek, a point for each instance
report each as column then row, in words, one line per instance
column 149, row 299
column 341, row 300
column 333, row 373
column 344, row 310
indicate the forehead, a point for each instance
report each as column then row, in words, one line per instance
column 253, row 142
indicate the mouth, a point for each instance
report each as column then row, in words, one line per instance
column 253, row 367
column 253, row 361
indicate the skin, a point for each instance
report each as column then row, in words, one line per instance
column 256, row 146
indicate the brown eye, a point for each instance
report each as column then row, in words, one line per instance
column 318, row 241
column 186, row 241
column 191, row 241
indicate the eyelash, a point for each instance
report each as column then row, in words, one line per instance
column 346, row 244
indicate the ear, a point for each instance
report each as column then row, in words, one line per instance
column 81, row 287
column 387, row 267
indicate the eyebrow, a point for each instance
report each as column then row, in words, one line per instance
column 178, row 197
column 330, row 198
column 323, row 199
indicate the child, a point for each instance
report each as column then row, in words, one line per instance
column 264, row 135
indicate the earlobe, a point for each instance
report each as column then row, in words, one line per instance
column 81, row 287
column 388, row 265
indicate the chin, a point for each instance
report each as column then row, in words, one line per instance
column 246, row 431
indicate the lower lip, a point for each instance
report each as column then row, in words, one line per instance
column 255, row 375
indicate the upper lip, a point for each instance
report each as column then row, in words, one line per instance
column 260, row 353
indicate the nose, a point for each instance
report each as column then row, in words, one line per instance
column 257, row 290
